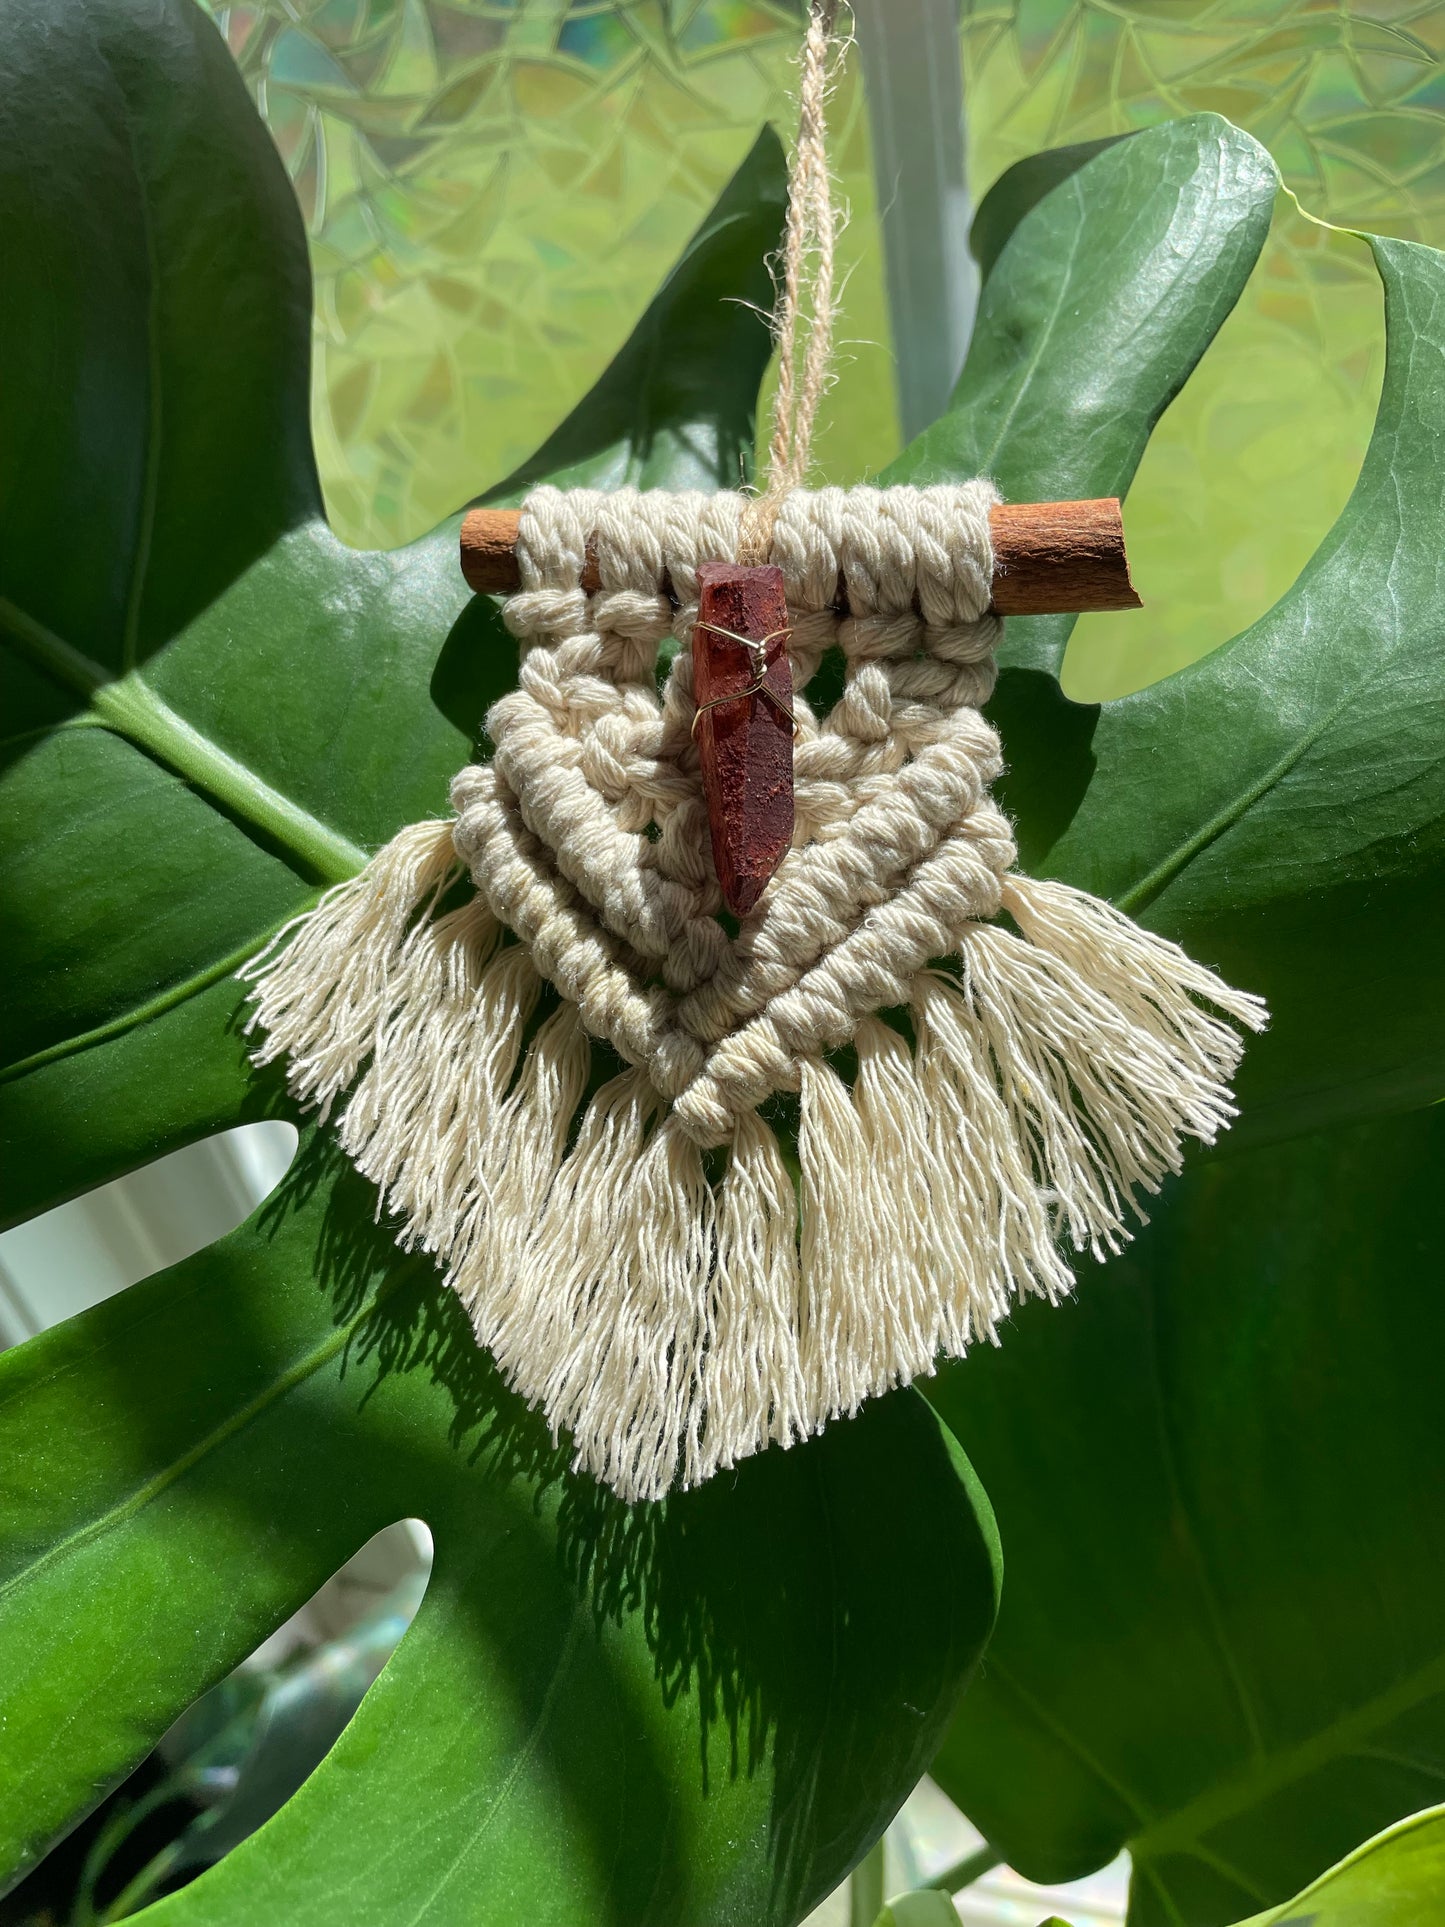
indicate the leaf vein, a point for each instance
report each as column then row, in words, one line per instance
column 156, row 1006
column 160, row 1481
column 1179, row 1830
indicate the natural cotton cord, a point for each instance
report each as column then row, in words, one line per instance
column 1041, row 1073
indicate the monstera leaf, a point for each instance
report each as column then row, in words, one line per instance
column 1219, row 1477
column 698, row 1712
column 1395, row 1880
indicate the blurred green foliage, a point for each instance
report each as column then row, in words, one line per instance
column 494, row 188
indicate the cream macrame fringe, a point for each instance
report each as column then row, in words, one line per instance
column 670, row 1320
column 673, row 1325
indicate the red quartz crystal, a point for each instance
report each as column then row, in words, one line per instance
column 744, row 724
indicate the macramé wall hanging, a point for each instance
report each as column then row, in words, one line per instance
column 744, row 898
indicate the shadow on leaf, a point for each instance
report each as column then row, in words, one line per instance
column 1048, row 741
column 753, row 1610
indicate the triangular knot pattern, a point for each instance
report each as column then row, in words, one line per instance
column 978, row 1067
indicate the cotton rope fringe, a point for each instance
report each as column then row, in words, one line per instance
column 675, row 1311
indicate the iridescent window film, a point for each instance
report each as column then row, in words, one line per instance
column 492, row 193
column 494, row 190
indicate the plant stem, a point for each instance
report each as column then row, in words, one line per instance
column 129, row 706
column 133, row 709
column 112, row 1836
column 963, row 1873
column 137, row 1891
column 865, row 1889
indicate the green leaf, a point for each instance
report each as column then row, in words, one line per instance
column 1279, row 806
column 1394, row 1880
column 1103, row 296
column 1018, row 189
column 118, row 522
column 1299, row 838
column 690, row 1712
column 703, row 1712
column 226, row 693
column 1100, row 304
column 1214, row 1475
column 1218, row 1476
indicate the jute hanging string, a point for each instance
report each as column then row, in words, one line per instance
column 805, row 292
column 640, row 1257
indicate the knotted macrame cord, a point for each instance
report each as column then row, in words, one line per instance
column 1039, row 1074
column 670, row 1323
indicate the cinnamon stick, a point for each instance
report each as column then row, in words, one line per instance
column 1050, row 558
